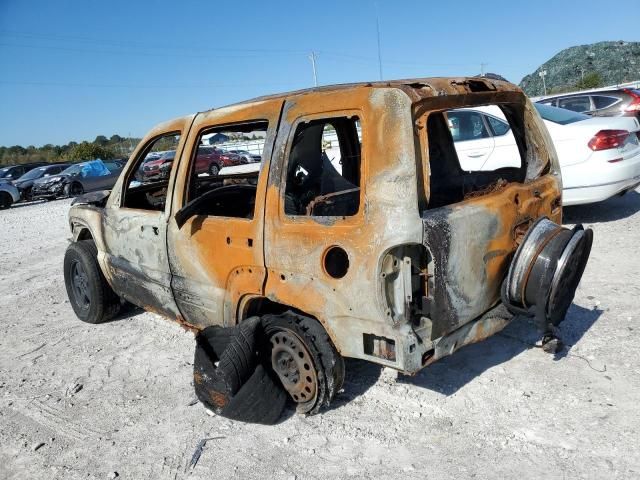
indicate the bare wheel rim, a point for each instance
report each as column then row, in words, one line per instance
column 293, row 364
column 80, row 285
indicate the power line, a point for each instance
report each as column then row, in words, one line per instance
column 155, row 45
column 129, row 52
column 145, row 86
column 248, row 53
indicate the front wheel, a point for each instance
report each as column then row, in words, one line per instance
column 91, row 297
column 5, row 200
column 73, row 190
column 304, row 358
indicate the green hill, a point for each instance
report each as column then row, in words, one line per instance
column 599, row 64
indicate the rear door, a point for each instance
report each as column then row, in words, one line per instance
column 473, row 141
column 216, row 251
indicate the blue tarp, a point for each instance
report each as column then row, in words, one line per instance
column 94, row 168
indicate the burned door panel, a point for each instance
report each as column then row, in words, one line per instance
column 136, row 261
column 135, row 227
column 216, row 252
column 472, row 243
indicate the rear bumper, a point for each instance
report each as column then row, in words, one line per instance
column 597, row 181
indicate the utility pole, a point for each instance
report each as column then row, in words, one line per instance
column 482, row 65
column 312, row 57
column 542, row 74
column 582, row 73
column 378, row 36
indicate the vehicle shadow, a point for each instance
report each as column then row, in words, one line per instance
column 127, row 310
column 360, row 375
column 448, row 375
column 610, row 210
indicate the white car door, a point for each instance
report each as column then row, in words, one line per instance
column 505, row 152
column 472, row 139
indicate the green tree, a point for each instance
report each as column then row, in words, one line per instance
column 101, row 140
column 590, row 80
column 116, row 139
column 88, row 151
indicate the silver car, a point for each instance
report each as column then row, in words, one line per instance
column 9, row 195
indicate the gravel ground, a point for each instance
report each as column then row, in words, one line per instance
column 116, row 400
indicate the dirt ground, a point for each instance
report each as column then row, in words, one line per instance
column 116, row 400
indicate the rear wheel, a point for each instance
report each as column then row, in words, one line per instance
column 91, row 297
column 304, row 358
column 214, row 170
column 5, row 200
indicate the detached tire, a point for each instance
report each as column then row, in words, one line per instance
column 228, row 378
column 91, row 297
column 293, row 341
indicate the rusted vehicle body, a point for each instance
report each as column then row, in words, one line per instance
column 402, row 257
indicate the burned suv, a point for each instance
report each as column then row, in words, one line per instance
column 358, row 235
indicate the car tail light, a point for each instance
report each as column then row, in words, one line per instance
column 634, row 106
column 606, row 139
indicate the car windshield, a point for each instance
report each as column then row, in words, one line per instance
column 72, row 170
column 560, row 116
column 33, row 174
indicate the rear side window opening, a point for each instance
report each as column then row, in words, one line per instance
column 472, row 151
column 323, row 168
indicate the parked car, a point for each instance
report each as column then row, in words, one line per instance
column 229, row 158
column 209, row 160
column 600, row 103
column 396, row 256
column 599, row 157
column 13, row 172
column 158, row 168
column 247, row 156
column 78, row 179
column 9, row 195
column 25, row 183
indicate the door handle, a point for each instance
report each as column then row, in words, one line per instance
column 477, row 154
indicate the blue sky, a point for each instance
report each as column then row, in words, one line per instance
column 72, row 70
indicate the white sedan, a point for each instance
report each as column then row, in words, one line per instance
column 599, row 156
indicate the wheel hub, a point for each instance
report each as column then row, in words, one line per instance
column 80, row 285
column 292, row 362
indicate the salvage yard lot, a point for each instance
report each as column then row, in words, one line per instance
column 83, row 401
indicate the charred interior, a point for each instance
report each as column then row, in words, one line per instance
column 459, row 142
